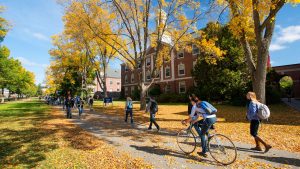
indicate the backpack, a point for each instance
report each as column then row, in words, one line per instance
column 263, row 112
column 207, row 107
column 129, row 105
column 154, row 107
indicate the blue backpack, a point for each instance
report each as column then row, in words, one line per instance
column 207, row 107
column 129, row 105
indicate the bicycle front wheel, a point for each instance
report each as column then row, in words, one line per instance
column 222, row 149
column 186, row 141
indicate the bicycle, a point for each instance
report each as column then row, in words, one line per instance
column 220, row 147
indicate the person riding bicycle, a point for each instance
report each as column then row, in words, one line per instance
column 202, row 128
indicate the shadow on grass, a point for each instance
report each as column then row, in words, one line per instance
column 24, row 147
column 27, row 137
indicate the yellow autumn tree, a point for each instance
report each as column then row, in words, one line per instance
column 87, row 25
column 253, row 22
column 4, row 25
column 127, row 28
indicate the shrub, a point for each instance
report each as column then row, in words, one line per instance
column 154, row 91
column 172, row 98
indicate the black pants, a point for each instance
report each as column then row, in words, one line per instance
column 129, row 112
column 254, row 125
column 152, row 120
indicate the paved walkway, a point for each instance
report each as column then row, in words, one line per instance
column 160, row 148
column 294, row 103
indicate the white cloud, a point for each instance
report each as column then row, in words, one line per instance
column 285, row 36
column 27, row 62
column 275, row 47
column 36, row 35
column 40, row 36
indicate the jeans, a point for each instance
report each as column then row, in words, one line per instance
column 129, row 112
column 152, row 120
column 80, row 110
column 202, row 129
column 69, row 113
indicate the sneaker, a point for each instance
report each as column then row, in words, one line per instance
column 158, row 129
column 149, row 128
column 268, row 147
column 202, row 154
column 256, row 149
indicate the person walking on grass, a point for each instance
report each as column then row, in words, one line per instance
column 253, row 106
column 152, row 108
column 69, row 105
column 91, row 102
column 128, row 109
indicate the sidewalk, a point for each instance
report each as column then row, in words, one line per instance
column 160, row 148
column 294, row 103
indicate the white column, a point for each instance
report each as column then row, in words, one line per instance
column 172, row 65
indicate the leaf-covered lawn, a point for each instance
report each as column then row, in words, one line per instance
column 33, row 135
column 282, row 130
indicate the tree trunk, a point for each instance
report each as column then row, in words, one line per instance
column 143, row 92
column 104, row 82
column 259, row 84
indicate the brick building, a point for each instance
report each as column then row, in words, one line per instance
column 294, row 72
column 173, row 77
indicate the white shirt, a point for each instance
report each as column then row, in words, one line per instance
column 196, row 112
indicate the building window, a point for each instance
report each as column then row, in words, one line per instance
column 126, row 79
column 118, row 83
column 148, row 61
column 180, row 54
column 167, row 71
column 168, row 88
column 181, row 69
column 139, row 64
column 132, row 78
column 126, row 68
column 182, row 87
column 118, row 89
column 126, row 91
column 132, row 90
column 195, row 50
column 148, row 75
column 111, row 82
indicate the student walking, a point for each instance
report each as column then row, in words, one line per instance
column 69, row 105
column 80, row 104
column 253, row 106
column 128, row 109
column 91, row 102
column 152, row 108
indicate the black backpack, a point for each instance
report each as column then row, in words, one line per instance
column 154, row 107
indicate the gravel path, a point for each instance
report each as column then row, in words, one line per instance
column 160, row 148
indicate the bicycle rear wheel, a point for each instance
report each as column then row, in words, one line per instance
column 222, row 149
column 186, row 141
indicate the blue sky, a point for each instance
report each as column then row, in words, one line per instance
column 35, row 21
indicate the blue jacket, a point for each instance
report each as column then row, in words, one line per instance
column 252, row 111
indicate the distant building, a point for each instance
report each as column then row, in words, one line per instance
column 113, row 83
column 173, row 77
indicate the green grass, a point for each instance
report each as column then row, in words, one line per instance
column 20, row 139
